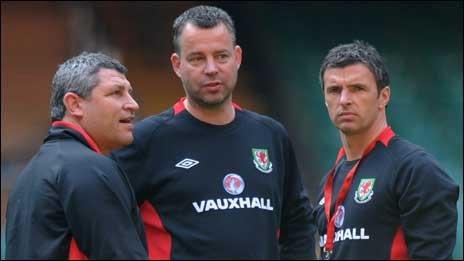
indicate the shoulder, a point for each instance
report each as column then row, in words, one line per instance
column 414, row 164
column 78, row 155
column 144, row 131
column 406, row 152
column 92, row 177
column 86, row 166
column 151, row 124
column 265, row 121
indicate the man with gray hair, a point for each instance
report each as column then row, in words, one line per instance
column 71, row 200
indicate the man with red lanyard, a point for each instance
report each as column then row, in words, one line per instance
column 385, row 198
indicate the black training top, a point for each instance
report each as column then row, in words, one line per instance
column 400, row 205
column 218, row 192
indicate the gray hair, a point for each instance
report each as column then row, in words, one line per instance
column 79, row 75
column 204, row 17
column 356, row 53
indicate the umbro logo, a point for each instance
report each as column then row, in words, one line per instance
column 187, row 163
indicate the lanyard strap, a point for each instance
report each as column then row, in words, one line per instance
column 383, row 137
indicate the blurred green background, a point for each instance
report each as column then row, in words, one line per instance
column 284, row 44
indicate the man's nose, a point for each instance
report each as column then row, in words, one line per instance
column 131, row 104
column 211, row 66
column 345, row 97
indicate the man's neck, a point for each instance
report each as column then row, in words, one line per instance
column 220, row 115
column 355, row 144
column 77, row 123
column 70, row 119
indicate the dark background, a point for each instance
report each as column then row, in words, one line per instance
column 283, row 43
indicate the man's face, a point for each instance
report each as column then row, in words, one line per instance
column 109, row 110
column 207, row 64
column 352, row 98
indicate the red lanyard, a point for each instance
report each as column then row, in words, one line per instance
column 384, row 137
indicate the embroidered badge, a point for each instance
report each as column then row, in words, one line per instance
column 365, row 191
column 261, row 160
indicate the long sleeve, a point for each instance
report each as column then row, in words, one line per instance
column 427, row 199
column 297, row 227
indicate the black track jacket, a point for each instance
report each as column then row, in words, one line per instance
column 69, row 192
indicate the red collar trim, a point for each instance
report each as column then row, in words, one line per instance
column 179, row 106
column 81, row 131
column 236, row 106
column 385, row 136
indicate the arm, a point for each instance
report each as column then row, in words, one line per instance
column 297, row 227
column 427, row 200
column 102, row 213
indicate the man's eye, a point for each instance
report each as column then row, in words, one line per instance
column 118, row 92
column 222, row 57
column 195, row 59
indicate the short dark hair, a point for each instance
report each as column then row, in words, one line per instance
column 355, row 53
column 204, row 17
column 79, row 75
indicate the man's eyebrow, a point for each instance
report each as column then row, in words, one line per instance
column 362, row 85
column 194, row 53
column 122, row 86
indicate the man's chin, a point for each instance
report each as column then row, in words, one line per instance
column 126, row 140
column 212, row 102
column 348, row 129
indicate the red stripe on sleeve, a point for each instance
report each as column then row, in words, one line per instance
column 399, row 250
column 159, row 241
column 74, row 252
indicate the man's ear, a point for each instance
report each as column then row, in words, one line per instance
column 384, row 97
column 73, row 104
column 238, row 56
column 175, row 62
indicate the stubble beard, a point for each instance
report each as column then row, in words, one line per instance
column 204, row 102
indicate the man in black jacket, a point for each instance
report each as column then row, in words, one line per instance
column 71, row 200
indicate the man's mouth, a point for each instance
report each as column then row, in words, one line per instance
column 213, row 84
column 127, row 120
